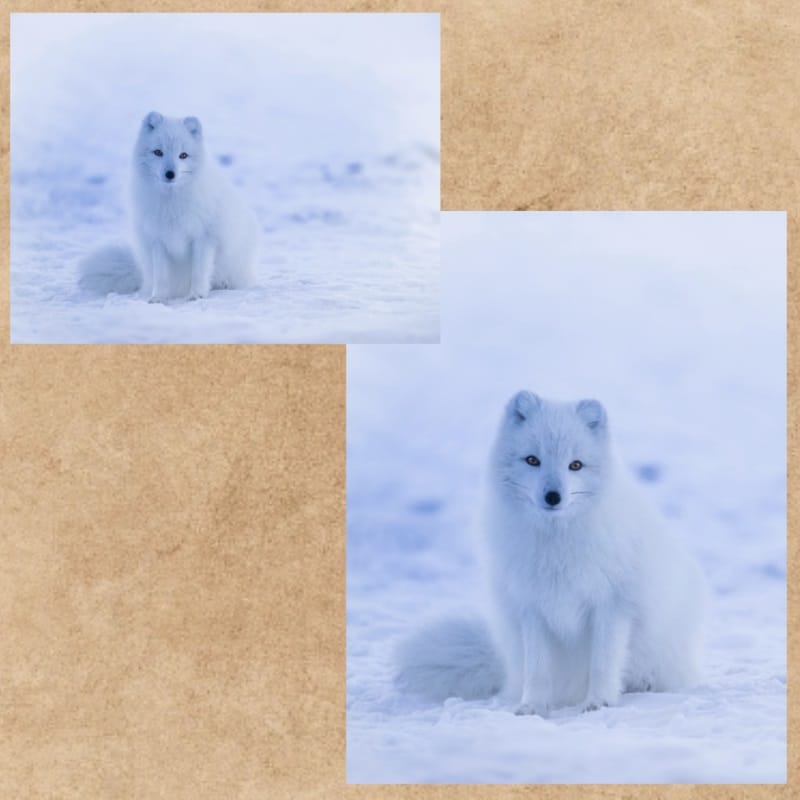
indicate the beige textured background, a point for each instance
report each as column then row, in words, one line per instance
column 172, row 529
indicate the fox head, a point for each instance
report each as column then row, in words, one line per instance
column 169, row 151
column 554, row 457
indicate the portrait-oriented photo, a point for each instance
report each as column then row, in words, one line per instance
column 239, row 178
column 566, row 525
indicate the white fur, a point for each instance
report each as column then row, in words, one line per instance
column 588, row 598
column 191, row 233
column 450, row 657
column 110, row 269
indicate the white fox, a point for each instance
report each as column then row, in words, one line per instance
column 192, row 231
column 589, row 595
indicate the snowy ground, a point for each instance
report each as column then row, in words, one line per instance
column 329, row 123
column 675, row 322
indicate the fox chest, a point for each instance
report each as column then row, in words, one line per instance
column 564, row 608
column 563, row 596
column 177, row 244
column 176, row 232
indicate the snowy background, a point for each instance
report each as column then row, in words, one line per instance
column 328, row 122
column 677, row 323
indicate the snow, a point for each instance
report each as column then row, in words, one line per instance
column 328, row 122
column 676, row 322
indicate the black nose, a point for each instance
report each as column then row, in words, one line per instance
column 552, row 498
column 169, row 174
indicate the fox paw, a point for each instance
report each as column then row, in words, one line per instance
column 529, row 710
column 593, row 705
column 156, row 299
column 197, row 291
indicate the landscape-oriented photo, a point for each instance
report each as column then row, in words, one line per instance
column 593, row 462
column 224, row 178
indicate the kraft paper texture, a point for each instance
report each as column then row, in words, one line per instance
column 172, row 535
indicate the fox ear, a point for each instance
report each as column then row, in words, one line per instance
column 153, row 120
column 193, row 126
column 593, row 414
column 523, row 405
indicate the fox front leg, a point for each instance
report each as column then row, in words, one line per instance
column 610, row 638
column 159, row 275
column 202, row 265
column 536, row 668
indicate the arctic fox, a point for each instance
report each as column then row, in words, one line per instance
column 192, row 232
column 589, row 596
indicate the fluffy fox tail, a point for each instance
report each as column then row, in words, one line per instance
column 109, row 269
column 450, row 658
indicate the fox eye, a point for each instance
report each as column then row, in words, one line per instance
column 533, row 461
column 183, row 155
column 575, row 465
column 157, row 153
